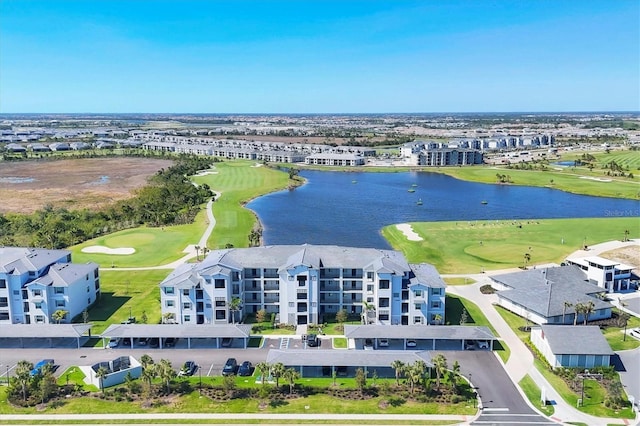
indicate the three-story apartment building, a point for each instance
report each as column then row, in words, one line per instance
column 304, row 284
column 34, row 283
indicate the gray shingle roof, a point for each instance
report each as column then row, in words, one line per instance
column 451, row 332
column 40, row 331
column 427, row 274
column 28, row 259
column 544, row 291
column 576, row 340
column 326, row 357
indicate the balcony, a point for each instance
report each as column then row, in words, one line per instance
column 325, row 298
column 271, row 286
column 272, row 298
column 329, row 286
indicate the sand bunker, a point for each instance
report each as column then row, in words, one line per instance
column 408, row 232
column 206, row 172
column 107, row 250
column 595, row 178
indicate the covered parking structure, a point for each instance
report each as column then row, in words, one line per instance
column 416, row 337
column 12, row 335
column 327, row 362
column 177, row 331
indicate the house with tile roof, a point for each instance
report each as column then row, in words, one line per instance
column 551, row 295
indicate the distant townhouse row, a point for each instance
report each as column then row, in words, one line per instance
column 304, row 284
column 35, row 283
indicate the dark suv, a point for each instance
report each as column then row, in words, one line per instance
column 230, row 367
column 312, row 340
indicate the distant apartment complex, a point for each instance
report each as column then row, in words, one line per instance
column 34, row 283
column 305, row 284
column 435, row 154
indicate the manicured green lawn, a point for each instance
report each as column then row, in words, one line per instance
column 593, row 391
column 629, row 159
column 340, row 342
column 459, row 281
column 239, row 182
column 515, row 322
column 532, row 391
column 73, row 375
column 125, row 292
column 561, row 178
column 615, row 335
column 154, row 246
column 469, row 247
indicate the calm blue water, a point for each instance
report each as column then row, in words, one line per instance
column 330, row 209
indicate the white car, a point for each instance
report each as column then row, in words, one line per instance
column 411, row 343
column 113, row 343
column 483, row 344
column 383, row 343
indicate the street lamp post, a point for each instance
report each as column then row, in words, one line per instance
column 200, row 385
column 584, row 375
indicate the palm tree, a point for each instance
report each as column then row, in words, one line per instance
column 564, row 308
column 23, row 376
column 277, row 370
column 399, row 368
column 440, row 365
column 166, row 373
column 588, row 309
column 234, row 306
column 578, row 308
column 456, row 373
column 361, row 380
column 197, row 252
column 263, row 367
column 527, row 258
column 148, row 374
column 417, row 372
column 291, row 375
column 101, row 373
column 145, row 361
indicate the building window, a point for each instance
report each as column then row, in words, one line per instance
column 169, row 290
column 16, row 292
column 291, row 304
column 384, row 317
column 220, row 304
column 219, row 283
column 88, row 301
column 88, row 289
column 417, row 320
column 3, row 283
column 370, row 288
column 185, row 292
column 370, row 275
column 4, row 302
column 384, row 284
column 38, row 305
column 39, row 319
column 369, row 299
column 418, row 293
column 60, row 304
column 221, row 314
column 169, row 303
column 186, row 305
column 37, row 292
column 187, row 318
column 435, row 305
column 436, row 291
column 418, row 306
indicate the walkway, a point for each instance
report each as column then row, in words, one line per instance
column 190, row 250
column 520, row 362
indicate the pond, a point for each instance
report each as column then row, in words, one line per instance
column 351, row 208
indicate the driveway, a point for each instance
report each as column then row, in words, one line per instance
column 629, row 369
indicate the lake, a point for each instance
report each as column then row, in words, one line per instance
column 350, row 208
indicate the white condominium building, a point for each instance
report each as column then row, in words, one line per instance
column 35, row 283
column 304, row 284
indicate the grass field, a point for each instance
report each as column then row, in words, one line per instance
column 124, row 293
column 154, row 246
column 574, row 180
column 532, row 391
column 469, row 247
column 627, row 159
column 239, row 182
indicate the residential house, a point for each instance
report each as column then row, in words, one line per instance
column 572, row 346
column 607, row 274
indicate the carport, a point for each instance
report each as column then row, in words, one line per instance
column 326, row 362
column 426, row 337
column 45, row 331
column 177, row 331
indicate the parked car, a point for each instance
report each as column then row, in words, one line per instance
column 40, row 365
column 170, row 342
column 470, row 345
column 411, row 343
column 113, row 343
column 143, row 341
column 230, row 367
column 312, row 340
column 154, row 342
column 188, row 369
column 246, row 368
column 368, row 344
column 383, row 343
column 483, row 344
column 226, row 342
column 126, row 341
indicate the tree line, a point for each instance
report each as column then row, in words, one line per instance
column 169, row 198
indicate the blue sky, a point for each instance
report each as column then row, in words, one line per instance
column 319, row 56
